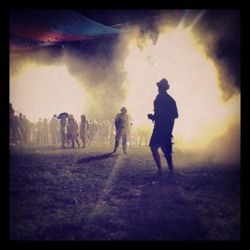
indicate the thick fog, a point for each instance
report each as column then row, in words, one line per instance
column 98, row 77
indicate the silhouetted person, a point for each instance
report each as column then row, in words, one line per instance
column 165, row 112
column 142, row 136
column 122, row 127
column 13, row 139
column 39, row 131
column 112, row 132
column 17, row 131
column 72, row 131
column 63, row 124
column 27, row 129
column 54, row 127
column 45, row 131
column 84, row 127
column 106, row 125
column 21, row 129
column 93, row 131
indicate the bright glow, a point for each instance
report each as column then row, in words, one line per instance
column 194, row 84
column 42, row 91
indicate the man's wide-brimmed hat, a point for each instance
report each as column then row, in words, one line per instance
column 163, row 84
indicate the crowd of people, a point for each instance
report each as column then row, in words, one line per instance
column 65, row 131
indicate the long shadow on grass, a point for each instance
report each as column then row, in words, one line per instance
column 96, row 158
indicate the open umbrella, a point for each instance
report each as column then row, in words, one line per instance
column 63, row 115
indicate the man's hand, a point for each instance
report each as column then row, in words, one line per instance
column 151, row 117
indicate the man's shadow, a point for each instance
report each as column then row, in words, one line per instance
column 96, row 158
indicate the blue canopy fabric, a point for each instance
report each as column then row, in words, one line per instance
column 34, row 28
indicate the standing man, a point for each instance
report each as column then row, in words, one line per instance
column 45, row 129
column 39, row 131
column 84, row 128
column 54, row 127
column 72, row 131
column 122, row 128
column 63, row 124
column 13, row 138
column 165, row 112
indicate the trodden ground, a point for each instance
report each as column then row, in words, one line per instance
column 88, row 194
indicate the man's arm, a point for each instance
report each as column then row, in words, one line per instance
column 117, row 121
column 176, row 111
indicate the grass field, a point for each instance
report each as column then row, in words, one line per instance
column 87, row 194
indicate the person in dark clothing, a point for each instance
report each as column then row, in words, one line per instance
column 84, row 128
column 63, row 124
column 165, row 113
column 13, row 138
column 39, row 131
column 72, row 131
column 122, row 128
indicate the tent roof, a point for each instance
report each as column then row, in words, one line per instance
column 45, row 27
